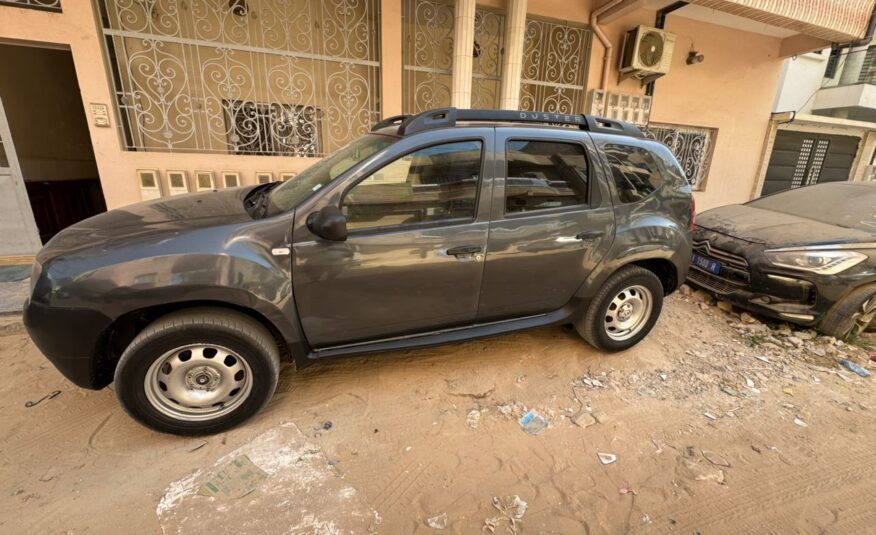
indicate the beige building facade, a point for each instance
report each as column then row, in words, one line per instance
column 110, row 102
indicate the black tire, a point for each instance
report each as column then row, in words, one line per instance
column 592, row 326
column 852, row 315
column 249, row 341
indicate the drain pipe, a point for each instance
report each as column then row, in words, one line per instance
column 594, row 25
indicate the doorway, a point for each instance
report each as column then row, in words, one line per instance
column 47, row 132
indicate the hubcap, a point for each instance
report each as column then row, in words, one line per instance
column 198, row 382
column 628, row 312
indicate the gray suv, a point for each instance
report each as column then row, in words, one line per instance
column 433, row 228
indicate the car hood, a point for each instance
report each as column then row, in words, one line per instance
column 776, row 229
column 167, row 215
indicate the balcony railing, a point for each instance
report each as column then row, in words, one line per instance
column 45, row 5
column 856, row 67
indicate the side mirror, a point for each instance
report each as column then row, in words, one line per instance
column 328, row 223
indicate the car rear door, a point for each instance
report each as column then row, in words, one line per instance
column 413, row 260
column 552, row 221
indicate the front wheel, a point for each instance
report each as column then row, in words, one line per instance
column 851, row 316
column 198, row 371
column 624, row 310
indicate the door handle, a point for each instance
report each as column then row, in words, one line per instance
column 463, row 250
column 589, row 234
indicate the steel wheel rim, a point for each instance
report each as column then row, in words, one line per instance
column 628, row 312
column 198, row 382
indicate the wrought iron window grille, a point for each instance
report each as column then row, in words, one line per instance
column 691, row 145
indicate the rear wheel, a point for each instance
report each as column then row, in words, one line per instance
column 198, row 372
column 624, row 310
column 853, row 315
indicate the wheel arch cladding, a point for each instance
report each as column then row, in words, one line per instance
column 126, row 327
column 663, row 269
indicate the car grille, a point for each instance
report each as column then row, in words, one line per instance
column 735, row 272
column 711, row 282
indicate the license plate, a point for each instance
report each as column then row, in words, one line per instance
column 712, row 266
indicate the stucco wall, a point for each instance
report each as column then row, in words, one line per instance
column 77, row 29
column 733, row 91
column 802, row 76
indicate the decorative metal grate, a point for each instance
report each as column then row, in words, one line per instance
column 45, row 5
column 487, row 59
column 817, row 161
column 868, row 68
column 802, row 163
column 427, row 54
column 271, row 77
column 554, row 67
column 691, row 145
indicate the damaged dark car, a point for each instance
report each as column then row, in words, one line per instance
column 806, row 255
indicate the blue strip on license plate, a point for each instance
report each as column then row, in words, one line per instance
column 712, row 266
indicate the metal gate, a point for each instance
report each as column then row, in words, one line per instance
column 805, row 158
column 20, row 235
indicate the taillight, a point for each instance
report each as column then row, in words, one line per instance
column 693, row 212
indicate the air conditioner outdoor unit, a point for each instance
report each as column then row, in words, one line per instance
column 646, row 54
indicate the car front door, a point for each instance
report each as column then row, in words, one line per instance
column 552, row 221
column 413, row 259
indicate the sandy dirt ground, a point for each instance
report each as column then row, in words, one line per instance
column 717, row 426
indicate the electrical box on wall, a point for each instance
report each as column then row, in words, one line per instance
column 646, row 54
column 628, row 107
column 178, row 182
column 150, row 184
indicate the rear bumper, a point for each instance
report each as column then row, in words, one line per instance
column 70, row 338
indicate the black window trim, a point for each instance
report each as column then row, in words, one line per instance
column 559, row 209
column 388, row 229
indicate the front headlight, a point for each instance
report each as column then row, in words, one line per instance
column 821, row 262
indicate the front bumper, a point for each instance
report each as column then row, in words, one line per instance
column 750, row 282
column 70, row 338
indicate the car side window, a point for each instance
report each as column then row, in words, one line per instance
column 432, row 184
column 635, row 171
column 544, row 174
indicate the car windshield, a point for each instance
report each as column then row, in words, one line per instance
column 843, row 204
column 293, row 192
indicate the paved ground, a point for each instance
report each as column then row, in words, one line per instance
column 12, row 295
column 716, row 425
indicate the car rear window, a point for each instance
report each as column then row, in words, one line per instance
column 544, row 174
column 635, row 171
column 842, row 204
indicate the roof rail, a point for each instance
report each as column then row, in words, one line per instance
column 389, row 121
column 448, row 117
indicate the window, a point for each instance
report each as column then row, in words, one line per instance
column 264, row 77
column 544, row 174
column 636, row 173
column 258, row 128
column 555, row 59
column 691, row 146
column 433, row 184
column 427, row 54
